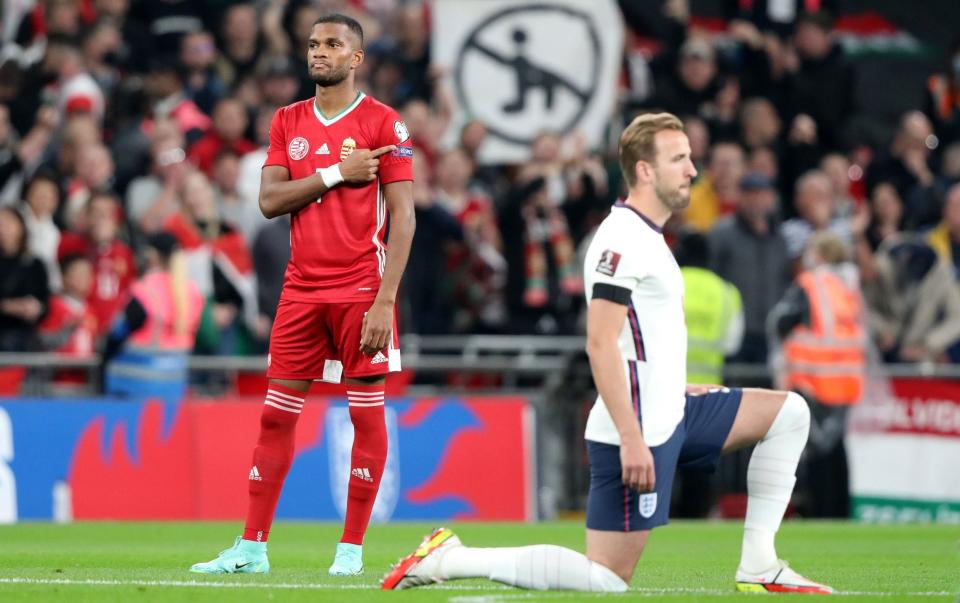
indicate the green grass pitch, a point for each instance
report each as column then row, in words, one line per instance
column 685, row 561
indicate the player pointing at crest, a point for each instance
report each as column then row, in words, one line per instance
column 646, row 421
column 339, row 163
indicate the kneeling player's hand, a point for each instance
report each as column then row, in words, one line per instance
column 637, row 463
column 377, row 328
column 362, row 164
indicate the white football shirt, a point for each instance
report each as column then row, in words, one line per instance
column 628, row 252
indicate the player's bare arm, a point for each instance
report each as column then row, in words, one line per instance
column 378, row 323
column 605, row 320
column 280, row 195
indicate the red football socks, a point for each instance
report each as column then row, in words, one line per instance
column 367, row 459
column 271, row 458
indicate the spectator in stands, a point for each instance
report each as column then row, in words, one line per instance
column 942, row 104
column 882, row 219
column 248, row 180
column 238, row 211
column 229, row 127
column 837, row 168
column 132, row 56
column 75, row 89
column 813, row 200
column 24, row 292
column 820, row 81
column 945, row 238
column 821, row 321
column 41, row 201
column 717, row 192
column 219, row 262
column 411, row 52
column 202, row 84
column 167, row 23
column 240, row 42
column 699, row 136
column 94, row 172
column 693, row 84
column 747, row 250
column 168, row 99
column 279, row 83
column 428, row 286
column 70, row 326
column 80, row 131
column 542, row 277
column 101, row 48
column 153, row 197
column 925, row 202
column 114, row 266
column 908, row 162
column 914, row 302
column 760, row 124
column 145, row 355
column 10, row 163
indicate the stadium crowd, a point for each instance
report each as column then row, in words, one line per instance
column 122, row 119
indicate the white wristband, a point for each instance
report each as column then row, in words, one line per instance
column 331, row 176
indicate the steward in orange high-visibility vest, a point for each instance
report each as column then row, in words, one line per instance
column 825, row 356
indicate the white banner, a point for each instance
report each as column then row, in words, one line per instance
column 528, row 67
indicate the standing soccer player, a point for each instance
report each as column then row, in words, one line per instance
column 647, row 420
column 339, row 163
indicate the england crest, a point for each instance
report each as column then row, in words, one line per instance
column 648, row 505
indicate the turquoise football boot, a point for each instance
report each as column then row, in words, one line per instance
column 244, row 557
column 349, row 560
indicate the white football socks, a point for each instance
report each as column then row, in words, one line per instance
column 770, row 479
column 538, row 567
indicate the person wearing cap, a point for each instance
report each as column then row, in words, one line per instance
column 747, row 250
column 145, row 355
column 694, row 83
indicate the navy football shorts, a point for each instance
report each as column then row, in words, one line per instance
column 696, row 443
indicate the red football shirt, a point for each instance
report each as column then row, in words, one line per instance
column 337, row 249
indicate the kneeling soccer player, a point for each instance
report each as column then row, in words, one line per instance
column 647, row 421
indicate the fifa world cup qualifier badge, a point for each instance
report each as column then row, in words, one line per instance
column 346, row 147
column 609, row 260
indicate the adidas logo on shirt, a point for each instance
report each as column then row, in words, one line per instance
column 378, row 359
column 323, row 150
column 362, row 473
column 255, row 474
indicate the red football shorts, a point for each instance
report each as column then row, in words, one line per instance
column 314, row 341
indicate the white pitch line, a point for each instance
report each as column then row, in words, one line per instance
column 212, row 584
column 659, row 592
column 492, row 598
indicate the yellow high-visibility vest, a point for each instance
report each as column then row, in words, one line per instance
column 710, row 304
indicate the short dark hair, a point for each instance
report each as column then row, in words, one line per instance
column 70, row 259
column 692, row 249
column 339, row 19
